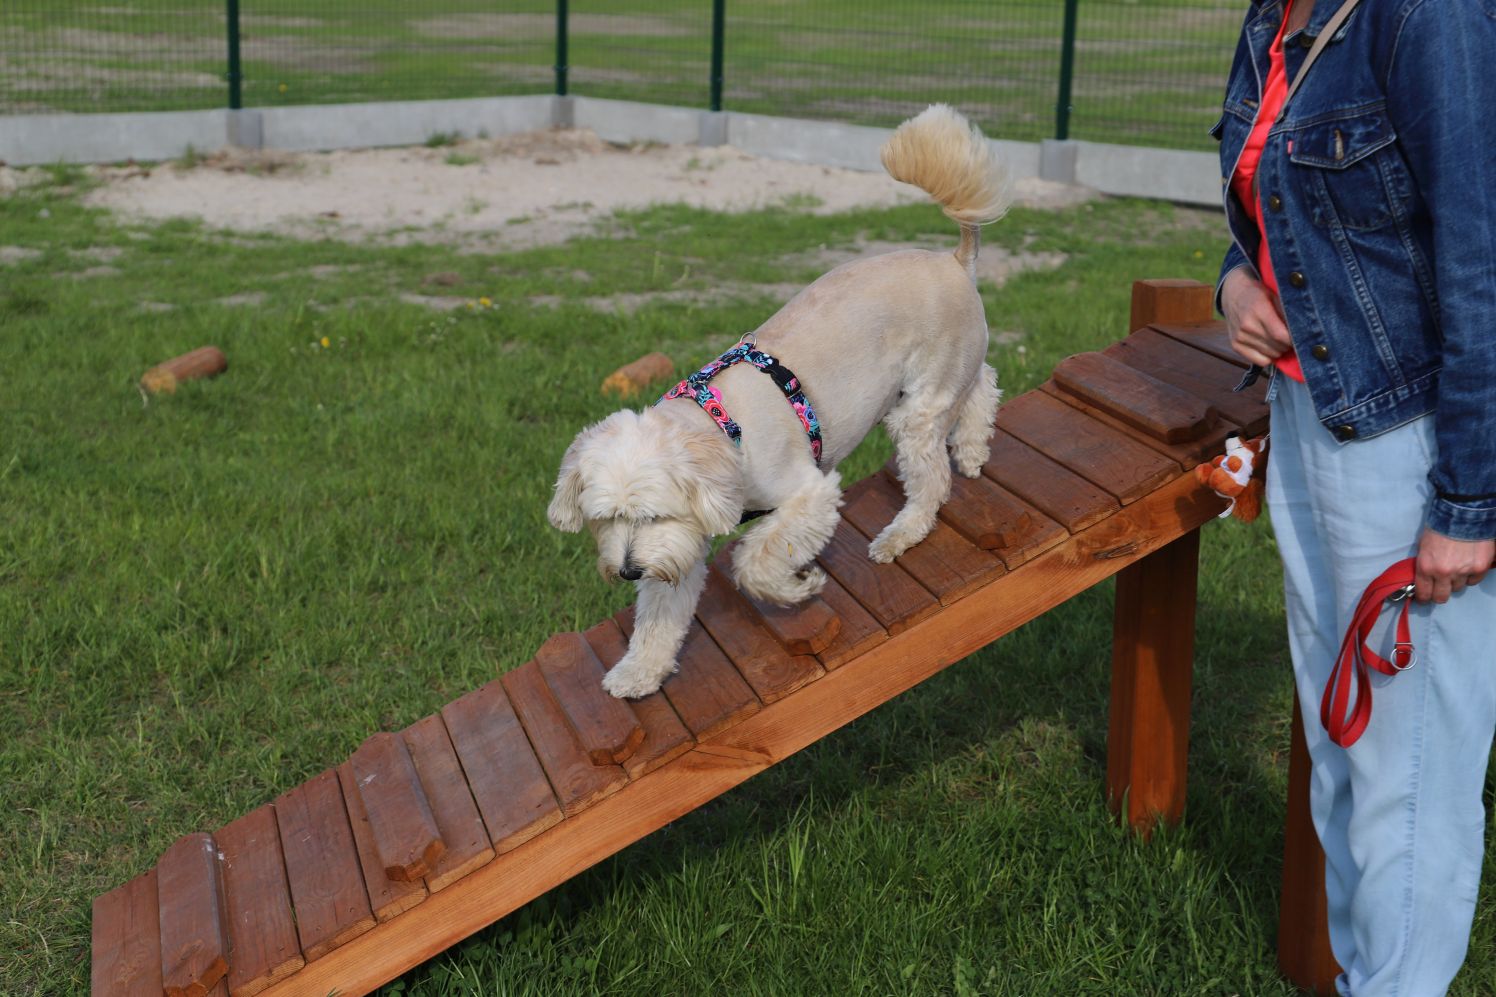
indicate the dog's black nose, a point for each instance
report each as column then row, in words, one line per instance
column 630, row 573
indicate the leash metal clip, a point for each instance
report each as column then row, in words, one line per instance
column 1406, row 592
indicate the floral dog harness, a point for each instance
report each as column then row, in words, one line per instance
column 698, row 388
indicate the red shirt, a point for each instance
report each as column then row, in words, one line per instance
column 1274, row 92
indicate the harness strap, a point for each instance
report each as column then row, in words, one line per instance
column 698, row 388
column 1356, row 657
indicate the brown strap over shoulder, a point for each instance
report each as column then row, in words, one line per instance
column 1325, row 34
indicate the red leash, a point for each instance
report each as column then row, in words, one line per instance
column 1357, row 659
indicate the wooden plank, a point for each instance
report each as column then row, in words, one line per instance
column 1113, row 461
column 665, row 737
column 507, row 781
column 1170, row 301
column 257, row 904
column 944, row 562
column 1153, row 661
column 577, row 782
column 806, row 628
column 771, row 735
column 769, row 669
column 1211, row 337
column 607, row 729
column 1304, row 954
column 859, row 632
column 127, row 941
column 327, row 885
column 1134, row 397
column 387, row 897
column 1060, row 494
column 706, row 691
column 981, row 510
column 452, row 803
column 194, row 949
column 399, row 815
column 1186, row 454
column 1195, row 371
column 886, row 591
column 984, row 514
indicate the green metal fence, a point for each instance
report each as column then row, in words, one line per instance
column 1145, row 72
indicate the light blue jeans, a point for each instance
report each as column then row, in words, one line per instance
column 1399, row 813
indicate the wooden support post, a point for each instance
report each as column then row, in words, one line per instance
column 1173, row 302
column 1304, row 954
column 1153, row 653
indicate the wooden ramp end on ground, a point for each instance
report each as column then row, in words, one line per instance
column 428, row 834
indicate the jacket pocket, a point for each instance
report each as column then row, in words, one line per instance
column 1346, row 165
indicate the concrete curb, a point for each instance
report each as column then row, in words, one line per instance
column 1169, row 174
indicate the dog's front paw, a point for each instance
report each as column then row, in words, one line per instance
column 631, row 679
column 890, row 543
column 970, row 457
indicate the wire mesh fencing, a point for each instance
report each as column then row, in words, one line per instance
column 1143, row 72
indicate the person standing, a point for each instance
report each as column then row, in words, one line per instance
column 1361, row 279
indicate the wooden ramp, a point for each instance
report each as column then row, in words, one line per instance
column 428, row 834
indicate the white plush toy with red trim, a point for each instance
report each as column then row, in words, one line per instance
column 1238, row 476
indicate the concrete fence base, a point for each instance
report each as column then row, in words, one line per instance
column 1187, row 177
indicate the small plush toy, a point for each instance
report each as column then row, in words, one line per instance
column 1237, row 475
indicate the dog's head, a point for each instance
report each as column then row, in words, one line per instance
column 651, row 492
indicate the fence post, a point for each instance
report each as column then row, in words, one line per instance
column 719, row 16
column 236, row 77
column 561, row 67
column 1067, row 71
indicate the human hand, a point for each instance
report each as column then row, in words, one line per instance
column 1253, row 318
column 1445, row 566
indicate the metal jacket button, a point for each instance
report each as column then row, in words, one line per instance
column 1344, row 433
column 1306, row 40
column 1275, row 202
column 1321, row 352
column 1296, row 279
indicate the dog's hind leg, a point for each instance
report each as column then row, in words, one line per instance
column 662, row 616
column 971, row 438
column 770, row 562
column 919, row 431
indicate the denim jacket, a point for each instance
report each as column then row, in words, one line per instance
column 1378, row 194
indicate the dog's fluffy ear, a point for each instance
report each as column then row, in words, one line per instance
column 713, row 481
column 565, row 510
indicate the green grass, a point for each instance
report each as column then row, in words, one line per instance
column 208, row 598
column 1147, row 72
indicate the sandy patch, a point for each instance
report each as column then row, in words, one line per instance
column 441, row 303
column 513, row 192
column 628, row 302
column 244, row 299
column 11, row 255
column 994, row 263
column 97, row 254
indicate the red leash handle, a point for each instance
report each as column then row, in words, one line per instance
column 1357, row 659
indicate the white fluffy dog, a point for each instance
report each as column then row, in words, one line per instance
column 900, row 338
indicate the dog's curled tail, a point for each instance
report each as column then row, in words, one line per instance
column 947, row 157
